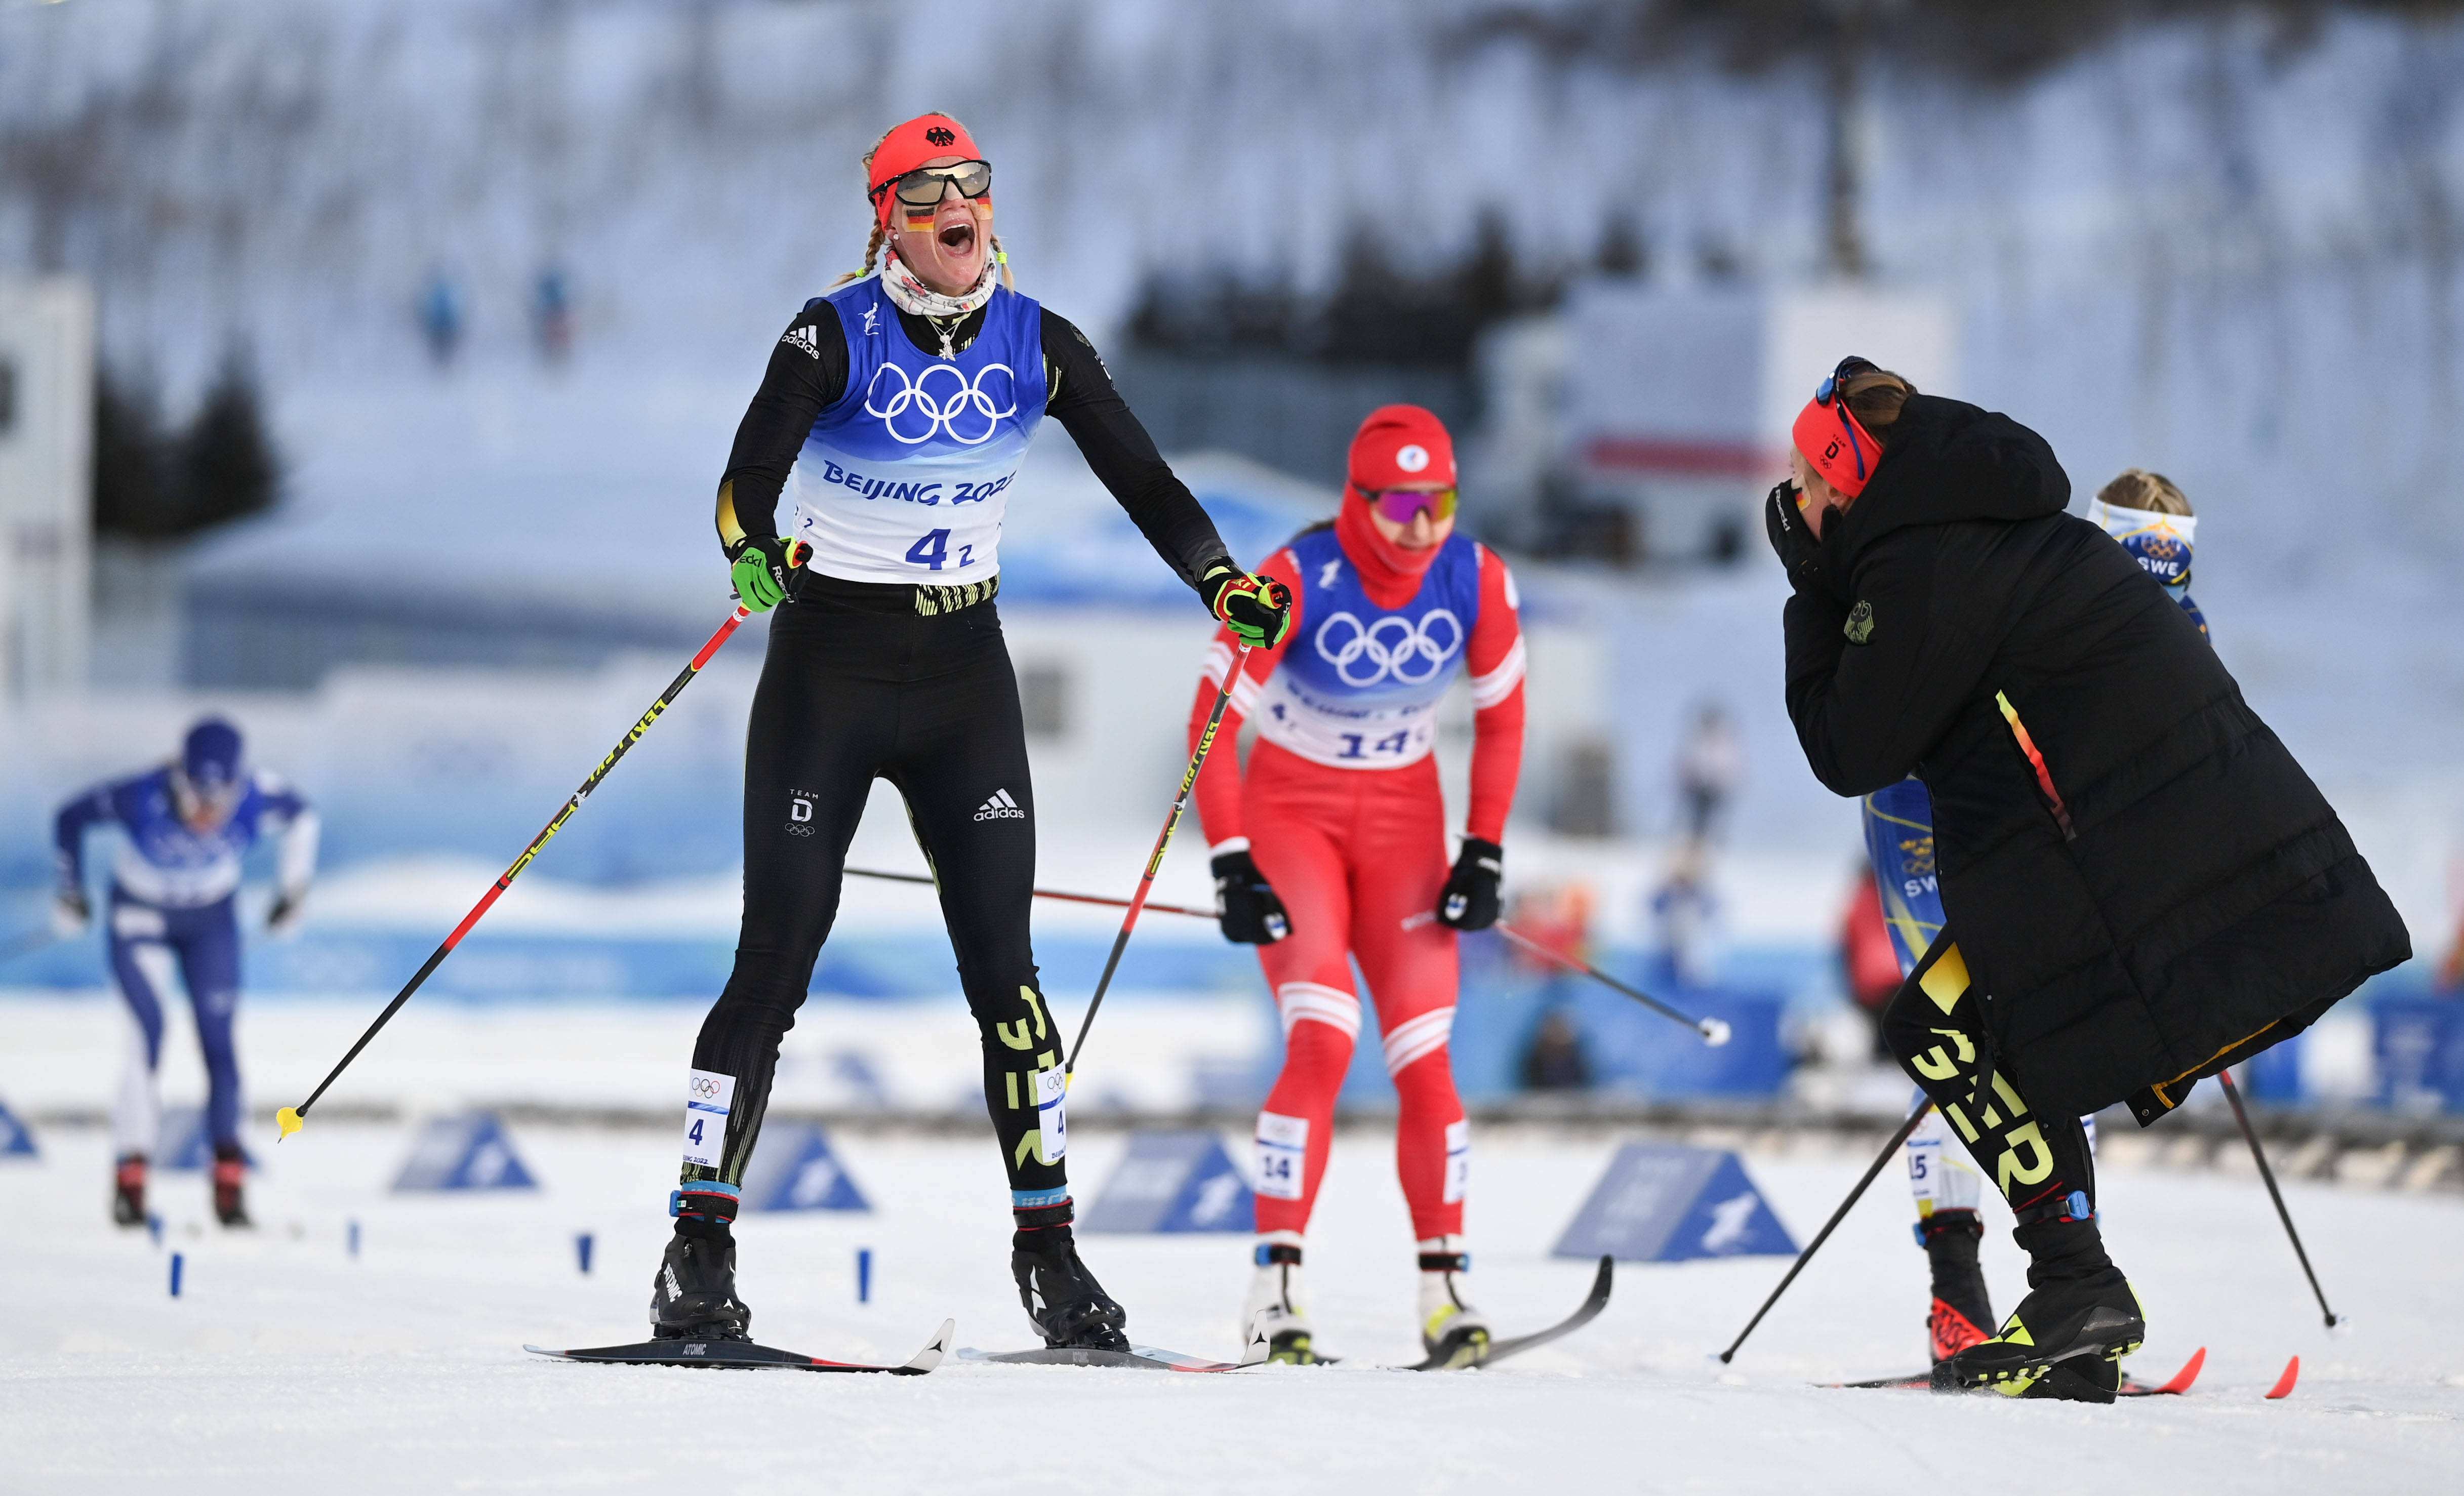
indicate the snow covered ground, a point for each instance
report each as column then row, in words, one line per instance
column 286, row 1364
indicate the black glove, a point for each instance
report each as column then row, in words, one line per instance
column 1792, row 540
column 1246, row 902
column 1469, row 899
column 282, row 920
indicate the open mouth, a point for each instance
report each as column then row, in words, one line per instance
column 956, row 237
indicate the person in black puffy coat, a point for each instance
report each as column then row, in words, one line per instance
column 2140, row 885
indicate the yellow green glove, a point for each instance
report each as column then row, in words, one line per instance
column 762, row 568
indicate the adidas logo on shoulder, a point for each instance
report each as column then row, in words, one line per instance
column 1000, row 807
column 805, row 339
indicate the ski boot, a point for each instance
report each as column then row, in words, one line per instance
column 2068, row 1337
column 1452, row 1331
column 231, row 1169
column 1273, row 1312
column 692, row 1296
column 1962, row 1307
column 129, row 1191
column 1076, row 1311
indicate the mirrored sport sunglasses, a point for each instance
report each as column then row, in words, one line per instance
column 925, row 186
column 1400, row 504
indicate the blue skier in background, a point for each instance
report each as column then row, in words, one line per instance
column 186, row 826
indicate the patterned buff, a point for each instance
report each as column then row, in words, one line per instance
column 2161, row 544
column 918, row 299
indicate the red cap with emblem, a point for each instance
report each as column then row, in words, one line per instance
column 910, row 146
column 1399, row 445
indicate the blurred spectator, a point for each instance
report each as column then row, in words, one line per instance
column 552, row 315
column 1684, row 912
column 1555, row 1059
column 1708, row 770
column 440, row 317
column 1867, row 959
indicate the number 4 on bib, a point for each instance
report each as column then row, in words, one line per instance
column 931, row 549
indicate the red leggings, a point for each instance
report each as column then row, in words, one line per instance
column 1353, row 853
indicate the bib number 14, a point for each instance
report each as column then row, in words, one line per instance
column 932, row 550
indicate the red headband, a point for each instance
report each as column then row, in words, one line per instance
column 1836, row 444
column 910, row 146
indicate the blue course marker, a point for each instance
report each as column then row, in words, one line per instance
column 353, row 1236
column 178, row 1263
column 582, row 1251
column 864, row 1275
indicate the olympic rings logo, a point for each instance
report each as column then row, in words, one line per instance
column 953, row 413
column 704, row 1087
column 1392, row 646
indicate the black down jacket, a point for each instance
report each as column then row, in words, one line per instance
column 2143, row 884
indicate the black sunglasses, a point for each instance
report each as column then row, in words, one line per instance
column 925, row 186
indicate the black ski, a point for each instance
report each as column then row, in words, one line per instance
column 1499, row 1350
column 1136, row 1359
column 2178, row 1383
column 746, row 1355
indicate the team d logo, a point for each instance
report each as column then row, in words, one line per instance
column 799, row 813
column 1859, row 627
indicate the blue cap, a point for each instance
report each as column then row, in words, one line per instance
column 211, row 757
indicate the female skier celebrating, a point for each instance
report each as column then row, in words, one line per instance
column 1333, row 844
column 909, row 396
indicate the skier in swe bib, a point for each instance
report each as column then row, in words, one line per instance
column 1331, row 845
column 900, row 405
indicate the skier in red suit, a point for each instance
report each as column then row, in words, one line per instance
column 1332, row 844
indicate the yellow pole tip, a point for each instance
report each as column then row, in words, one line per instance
column 287, row 1121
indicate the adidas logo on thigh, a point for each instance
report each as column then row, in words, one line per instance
column 1000, row 807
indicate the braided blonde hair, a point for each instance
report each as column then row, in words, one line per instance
column 881, row 233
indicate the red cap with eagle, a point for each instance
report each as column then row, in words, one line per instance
column 1399, row 446
column 910, row 146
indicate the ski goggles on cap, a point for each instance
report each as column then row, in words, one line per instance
column 925, row 186
column 1834, row 443
column 1401, row 504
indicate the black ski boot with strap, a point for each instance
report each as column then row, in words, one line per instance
column 2067, row 1337
column 1066, row 1305
column 692, row 1297
column 129, row 1191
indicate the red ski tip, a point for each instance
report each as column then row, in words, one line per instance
column 2284, row 1387
column 2189, row 1374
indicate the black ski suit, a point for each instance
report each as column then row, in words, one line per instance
column 911, row 684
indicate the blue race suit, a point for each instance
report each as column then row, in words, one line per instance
column 172, row 890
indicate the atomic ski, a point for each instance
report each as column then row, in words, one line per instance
column 2178, row 1383
column 1499, row 1350
column 1136, row 1359
column 745, row 1354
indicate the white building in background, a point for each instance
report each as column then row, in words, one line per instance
column 1670, row 406
column 46, row 482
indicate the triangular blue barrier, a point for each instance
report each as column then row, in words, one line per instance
column 1174, row 1181
column 473, row 1152
column 795, row 1169
column 1664, row 1202
column 16, row 1139
column 183, row 1145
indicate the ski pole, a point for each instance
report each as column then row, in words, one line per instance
column 1714, row 1031
column 1889, row 1149
column 26, row 944
column 2233, row 1093
column 1051, row 893
column 291, row 1119
column 1138, row 900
